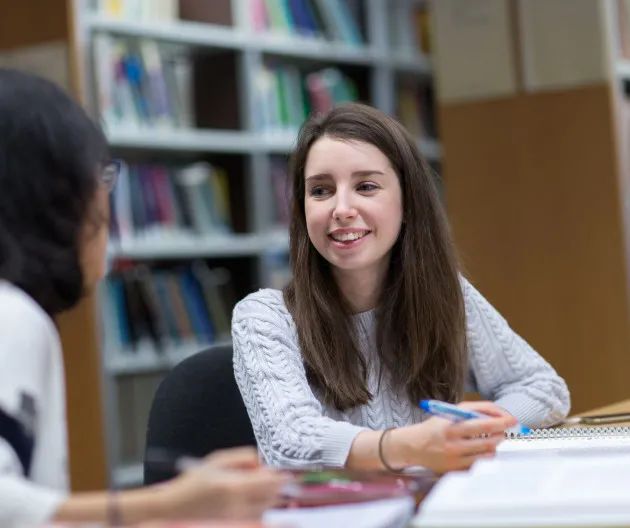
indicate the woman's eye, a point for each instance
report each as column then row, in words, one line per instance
column 318, row 191
column 367, row 187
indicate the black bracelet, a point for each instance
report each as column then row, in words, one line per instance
column 114, row 515
column 380, row 453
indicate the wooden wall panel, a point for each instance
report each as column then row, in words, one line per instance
column 24, row 23
column 533, row 198
column 79, row 335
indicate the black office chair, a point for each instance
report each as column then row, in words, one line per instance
column 196, row 409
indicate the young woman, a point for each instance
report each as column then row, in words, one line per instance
column 53, row 233
column 377, row 317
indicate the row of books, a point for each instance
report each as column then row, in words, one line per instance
column 416, row 109
column 410, row 27
column 158, row 310
column 336, row 20
column 155, row 201
column 154, row 10
column 286, row 96
column 142, row 83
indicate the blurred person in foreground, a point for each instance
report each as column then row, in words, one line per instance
column 54, row 216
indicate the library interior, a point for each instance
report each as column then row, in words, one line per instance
column 520, row 110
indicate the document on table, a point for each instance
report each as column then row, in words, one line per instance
column 532, row 491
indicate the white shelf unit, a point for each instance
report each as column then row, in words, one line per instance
column 251, row 49
column 190, row 247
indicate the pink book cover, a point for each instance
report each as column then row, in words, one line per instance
column 260, row 20
column 321, row 98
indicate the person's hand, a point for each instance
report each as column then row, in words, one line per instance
column 229, row 484
column 442, row 445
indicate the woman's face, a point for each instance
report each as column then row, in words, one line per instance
column 353, row 204
column 94, row 237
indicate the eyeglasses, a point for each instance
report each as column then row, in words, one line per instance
column 109, row 173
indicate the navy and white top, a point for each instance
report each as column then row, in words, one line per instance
column 33, row 429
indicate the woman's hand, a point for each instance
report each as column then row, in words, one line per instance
column 443, row 446
column 229, row 484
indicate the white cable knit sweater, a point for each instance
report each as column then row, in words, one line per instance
column 294, row 428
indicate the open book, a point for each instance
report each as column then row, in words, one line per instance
column 534, row 492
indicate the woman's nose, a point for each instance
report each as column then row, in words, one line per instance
column 344, row 209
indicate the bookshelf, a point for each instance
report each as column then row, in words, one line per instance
column 231, row 63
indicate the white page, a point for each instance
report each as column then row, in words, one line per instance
column 551, row 489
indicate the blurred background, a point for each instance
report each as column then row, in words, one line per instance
column 519, row 106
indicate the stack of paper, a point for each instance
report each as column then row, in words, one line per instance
column 532, row 491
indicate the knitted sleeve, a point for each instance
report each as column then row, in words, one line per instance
column 509, row 371
column 288, row 420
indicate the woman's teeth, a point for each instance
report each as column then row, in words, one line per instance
column 348, row 237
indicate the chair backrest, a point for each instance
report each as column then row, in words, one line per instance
column 196, row 409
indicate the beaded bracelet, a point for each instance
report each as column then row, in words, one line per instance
column 382, row 457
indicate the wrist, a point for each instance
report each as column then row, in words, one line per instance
column 389, row 452
column 166, row 498
column 396, row 448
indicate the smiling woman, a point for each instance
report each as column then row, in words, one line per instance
column 353, row 209
column 377, row 317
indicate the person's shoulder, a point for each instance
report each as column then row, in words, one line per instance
column 19, row 310
column 469, row 292
column 262, row 304
column 27, row 334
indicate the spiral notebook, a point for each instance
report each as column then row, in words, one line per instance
column 568, row 440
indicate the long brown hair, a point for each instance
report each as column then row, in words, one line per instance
column 420, row 315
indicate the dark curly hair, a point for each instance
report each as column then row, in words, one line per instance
column 49, row 155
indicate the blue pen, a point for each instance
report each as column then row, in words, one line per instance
column 457, row 414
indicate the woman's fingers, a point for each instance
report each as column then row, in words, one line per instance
column 473, row 446
column 479, row 427
column 486, row 407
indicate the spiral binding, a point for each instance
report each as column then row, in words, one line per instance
column 572, row 432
